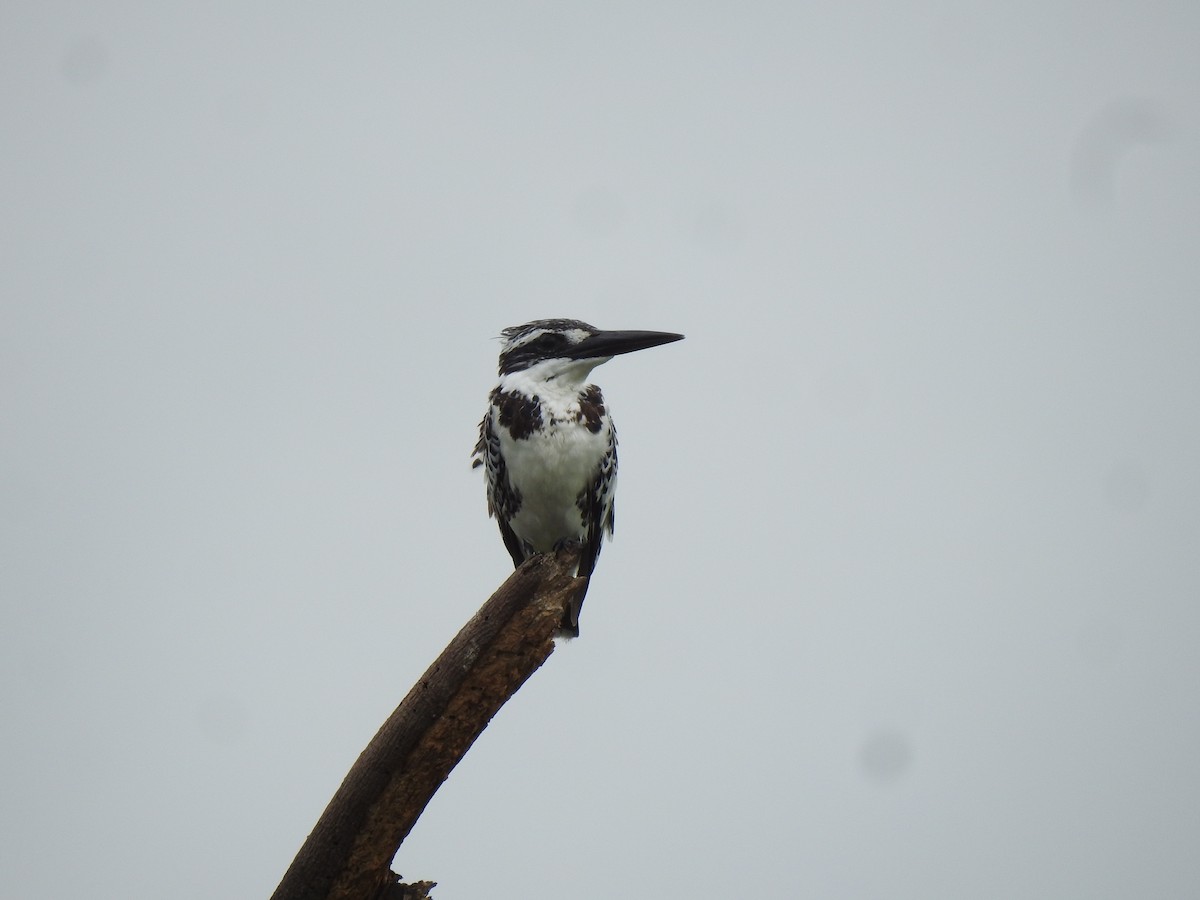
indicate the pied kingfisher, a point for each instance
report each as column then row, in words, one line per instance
column 547, row 442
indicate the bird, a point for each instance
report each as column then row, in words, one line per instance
column 547, row 443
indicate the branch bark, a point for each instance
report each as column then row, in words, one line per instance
column 348, row 854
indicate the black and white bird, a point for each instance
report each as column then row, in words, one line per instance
column 547, row 442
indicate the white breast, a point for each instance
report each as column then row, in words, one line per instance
column 551, row 468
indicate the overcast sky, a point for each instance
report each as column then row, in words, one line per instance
column 904, row 600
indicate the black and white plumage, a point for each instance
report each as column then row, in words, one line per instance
column 547, row 442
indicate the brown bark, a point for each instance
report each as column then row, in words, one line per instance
column 348, row 854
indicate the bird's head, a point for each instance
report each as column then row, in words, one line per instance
column 567, row 349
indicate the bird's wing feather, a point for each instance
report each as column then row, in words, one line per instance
column 503, row 500
column 596, row 504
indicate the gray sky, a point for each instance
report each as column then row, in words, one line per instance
column 905, row 594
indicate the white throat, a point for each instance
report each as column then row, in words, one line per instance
column 552, row 377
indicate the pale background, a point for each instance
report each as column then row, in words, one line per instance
column 905, row 595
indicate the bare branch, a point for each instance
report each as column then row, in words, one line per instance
column 348, row 854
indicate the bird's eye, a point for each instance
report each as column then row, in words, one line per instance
column 548, row 343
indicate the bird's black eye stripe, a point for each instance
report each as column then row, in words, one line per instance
column 544, row 346
column 550, row 341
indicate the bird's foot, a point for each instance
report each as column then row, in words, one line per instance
column 567, row 545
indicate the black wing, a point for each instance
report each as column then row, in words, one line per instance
column 596, row 504
column 503, row 499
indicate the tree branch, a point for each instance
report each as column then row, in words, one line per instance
column 347, row 855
